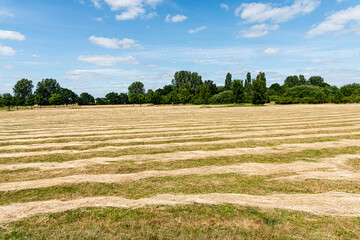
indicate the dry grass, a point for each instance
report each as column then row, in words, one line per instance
column 259, row 151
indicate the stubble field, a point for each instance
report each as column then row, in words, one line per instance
column 272, row 172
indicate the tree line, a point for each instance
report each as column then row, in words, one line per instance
column 188, row 88
column 298, row 89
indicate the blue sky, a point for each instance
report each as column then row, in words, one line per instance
column 100, row 46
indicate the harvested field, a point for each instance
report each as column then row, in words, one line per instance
column 221, row 163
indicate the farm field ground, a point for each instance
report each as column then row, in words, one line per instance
column 187, row 172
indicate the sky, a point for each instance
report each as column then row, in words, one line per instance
column 100, row 46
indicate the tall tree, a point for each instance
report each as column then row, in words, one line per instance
column 238, row 91
column 23, row 88
column 193, row 78
column 228, row 81
column 46, row 88
column 248, row 88
column 137, row 88
column 212, row 86
column 259, row 85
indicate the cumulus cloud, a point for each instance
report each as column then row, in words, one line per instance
column 272, row 51
column 261, row 12
column 175, row 19
column 130, row 13
column 344, row 20
column 7, row 51
column 96, row 3
column 258, row 30
column 224, row 6
column 11, row 35
column 108, row 60
column 268, row 16
column 192, row 31
column 114, row 43
column 131, row 9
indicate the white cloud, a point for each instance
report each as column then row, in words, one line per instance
column 114, row 43
column 192, row 31
column 176, row 18
column 96, row 3
column 224, row 6
column 272, row 51
column 11, row 35
column 344, row 20
column 259, row 30
column 35, row 56
column 7, row 51
column 108, row 60
column 131, row 9
column 98, row 19
column 261, row 12
column 4, row 13
column 130, row 13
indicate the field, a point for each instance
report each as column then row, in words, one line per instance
column 189, row 172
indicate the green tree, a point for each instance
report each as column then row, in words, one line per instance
column 204, row 95
column 55, row 99
column 259, row 85
column 212, row 86
column 238, row 91
column 30, row 100
column 172, row 98
column 228, row 81
column 181, row 77
column 137, row 88
column 248, row 88
column 140, row 99
column 86, row 99
column 350, row 90
column 292, row 81
column 46, row 88
column 7, row 100
column 124, row 98
column 157, row 98
column 185, row 96
column 101, row 101
column 316, row 81
column 68, row 96
column 113, row 98
column 23, row 88
column 40, row 100
column 133, row 98
column 149, row 96
column 302, row 80
column 18, row 101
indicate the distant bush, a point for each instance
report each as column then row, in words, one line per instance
column 225, row 97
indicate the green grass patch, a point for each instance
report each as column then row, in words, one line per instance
column 182, row 222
